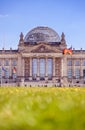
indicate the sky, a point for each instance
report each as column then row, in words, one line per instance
column 18, row 16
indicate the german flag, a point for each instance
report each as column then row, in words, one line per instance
column 67, row 51
column 14, row 70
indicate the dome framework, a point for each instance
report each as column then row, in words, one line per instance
column 42, row 34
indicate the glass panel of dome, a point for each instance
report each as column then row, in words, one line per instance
column 50, row 68
column 41, row 33
column 34, row 68
column 42, row 69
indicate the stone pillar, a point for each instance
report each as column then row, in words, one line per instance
column 61, row 67
column 20, row 69
column 30, row 78
column 19, row 66
column 23, row 68
column 10, row 69
column 65, row 66
column 46, row 68
column 53, row 68
column 22, row 82
column 65, row 81
column 73, row 68
column 81, row 70
column 38, row 68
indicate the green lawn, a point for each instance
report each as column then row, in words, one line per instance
column 42, row 108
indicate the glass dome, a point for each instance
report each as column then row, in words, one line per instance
column 42, row 34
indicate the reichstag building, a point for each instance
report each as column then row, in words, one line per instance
column 40, row 60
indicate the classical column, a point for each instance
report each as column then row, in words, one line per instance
column 54, row 68
column 65, row 66
column 23, row 68
column 61, row 67
column 23, row 78
column 10, row 69
column 46, row 68
column 65, row 81
column 81, row 70
column 30, row 68
column 19, row 66
column 38, row 68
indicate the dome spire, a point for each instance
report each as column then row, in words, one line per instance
column 21, row 41
column 63, row 38
column 63, row 41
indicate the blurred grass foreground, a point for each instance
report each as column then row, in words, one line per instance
column 42, row 108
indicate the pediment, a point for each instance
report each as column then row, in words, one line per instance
column 42, row 49
column 45, row 49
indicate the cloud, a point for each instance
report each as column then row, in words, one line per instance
column 3, row 15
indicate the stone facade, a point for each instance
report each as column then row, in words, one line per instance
column 39, row 61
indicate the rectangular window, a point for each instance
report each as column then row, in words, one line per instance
column 69, row 62
column 84, row 73
column 69, row 73
column 14, row 73
column 6, row 73
column 77, row 63
column 50, row 68
column 83, row 63
column 6, row 63
column 34, row 68
column 42, row 69
column 14, row 62
column 77, row 73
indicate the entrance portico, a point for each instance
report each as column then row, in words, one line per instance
column 42, row 68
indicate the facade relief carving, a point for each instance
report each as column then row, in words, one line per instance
column 43, row 49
